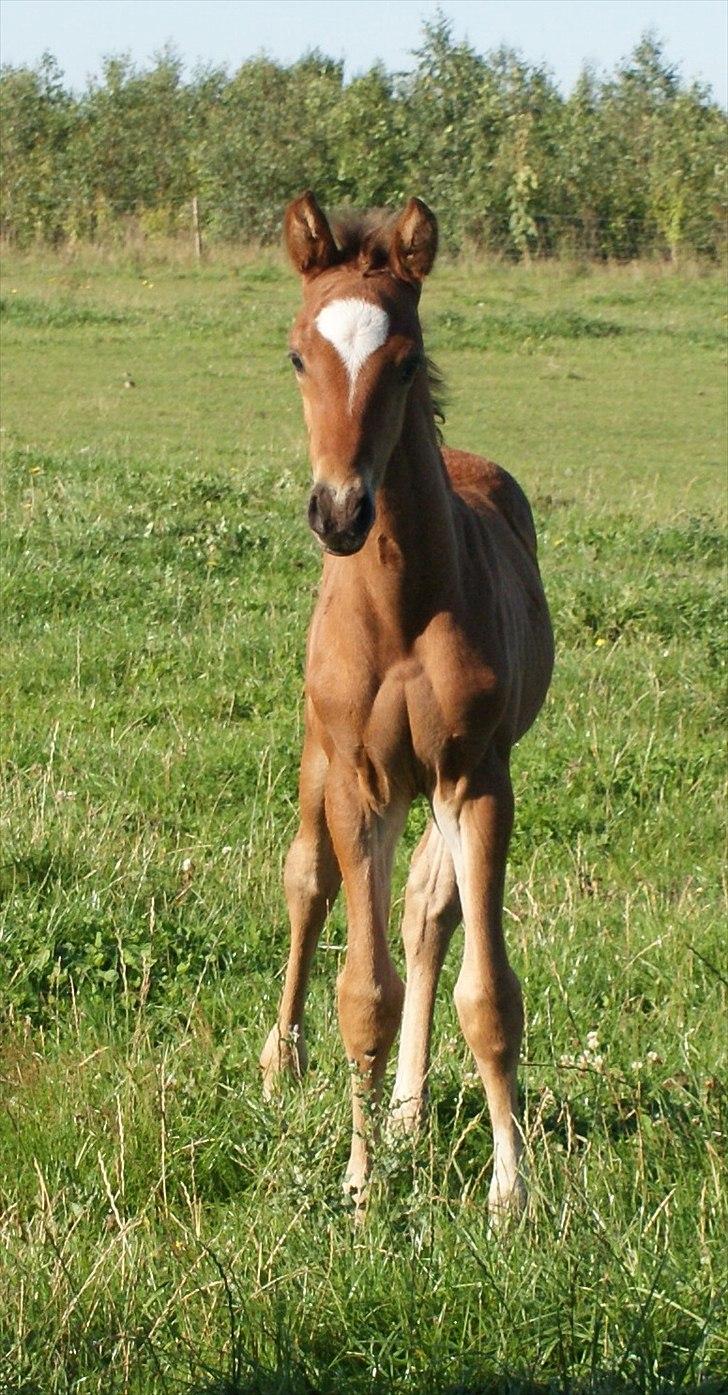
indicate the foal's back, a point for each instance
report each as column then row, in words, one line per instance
column 488, row 488
column 502, row 579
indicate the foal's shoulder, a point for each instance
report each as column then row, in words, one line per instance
column 487, row 487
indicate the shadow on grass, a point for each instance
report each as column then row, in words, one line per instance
column 605, row 1383
column 322, row 1368
column 614, row 1116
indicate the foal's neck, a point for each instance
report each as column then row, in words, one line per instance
column 408, row 565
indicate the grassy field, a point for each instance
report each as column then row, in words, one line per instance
column 161, row 1228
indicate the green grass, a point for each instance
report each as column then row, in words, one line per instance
column 161, row 1228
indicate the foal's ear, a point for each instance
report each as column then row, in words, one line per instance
column 414, row 242
column 307, row 235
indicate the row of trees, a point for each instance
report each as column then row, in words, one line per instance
column 627, row 164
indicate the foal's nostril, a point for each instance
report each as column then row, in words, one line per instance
column 314, row 517
column 363, row 513
column 319, row 509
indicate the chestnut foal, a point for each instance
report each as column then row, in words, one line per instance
column 429, row 655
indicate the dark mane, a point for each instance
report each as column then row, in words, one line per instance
column 372, row 231
column 353, row 232
column 438, row 391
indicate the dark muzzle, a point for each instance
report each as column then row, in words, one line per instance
column 341, row 521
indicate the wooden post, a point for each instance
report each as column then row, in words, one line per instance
column 196, row 234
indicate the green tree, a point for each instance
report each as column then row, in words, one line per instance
column 630, row 164
column 36, row 131
column 134, row 143
column 687, row 176
column 581, row 209
column 440, row 100
column 527, row 105
column 269, row 137
column 367, row 140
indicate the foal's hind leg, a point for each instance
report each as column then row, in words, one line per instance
column 311, row 882
column 431, row 912
column 477, row 827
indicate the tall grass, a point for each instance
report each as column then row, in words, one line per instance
column 162, row 1229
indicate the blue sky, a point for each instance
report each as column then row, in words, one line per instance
column 561, row 33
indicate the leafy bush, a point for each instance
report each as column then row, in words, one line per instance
column 629, row 164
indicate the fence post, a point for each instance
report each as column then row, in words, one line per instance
column 196, row 234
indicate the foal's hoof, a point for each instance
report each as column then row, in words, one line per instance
column 407, row 1117
column 282, row 1055
column 356, row 1191
column 507, row 1201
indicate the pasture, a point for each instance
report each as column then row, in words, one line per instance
column 162, row 1229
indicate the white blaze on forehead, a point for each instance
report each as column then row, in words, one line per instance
column 355, row 328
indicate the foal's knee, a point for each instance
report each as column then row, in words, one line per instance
column 491, row 1017
column 308, row 883
column 370, row 1008
column 299, row 872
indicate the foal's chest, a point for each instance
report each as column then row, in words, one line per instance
column 412, row 717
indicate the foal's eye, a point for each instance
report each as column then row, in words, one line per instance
column 408, row 369
column 296, row 360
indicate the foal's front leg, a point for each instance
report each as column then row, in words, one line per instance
column 370, row 990
column 311, row 881
column 477, row 828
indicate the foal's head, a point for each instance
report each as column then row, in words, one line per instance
column 356, row 348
